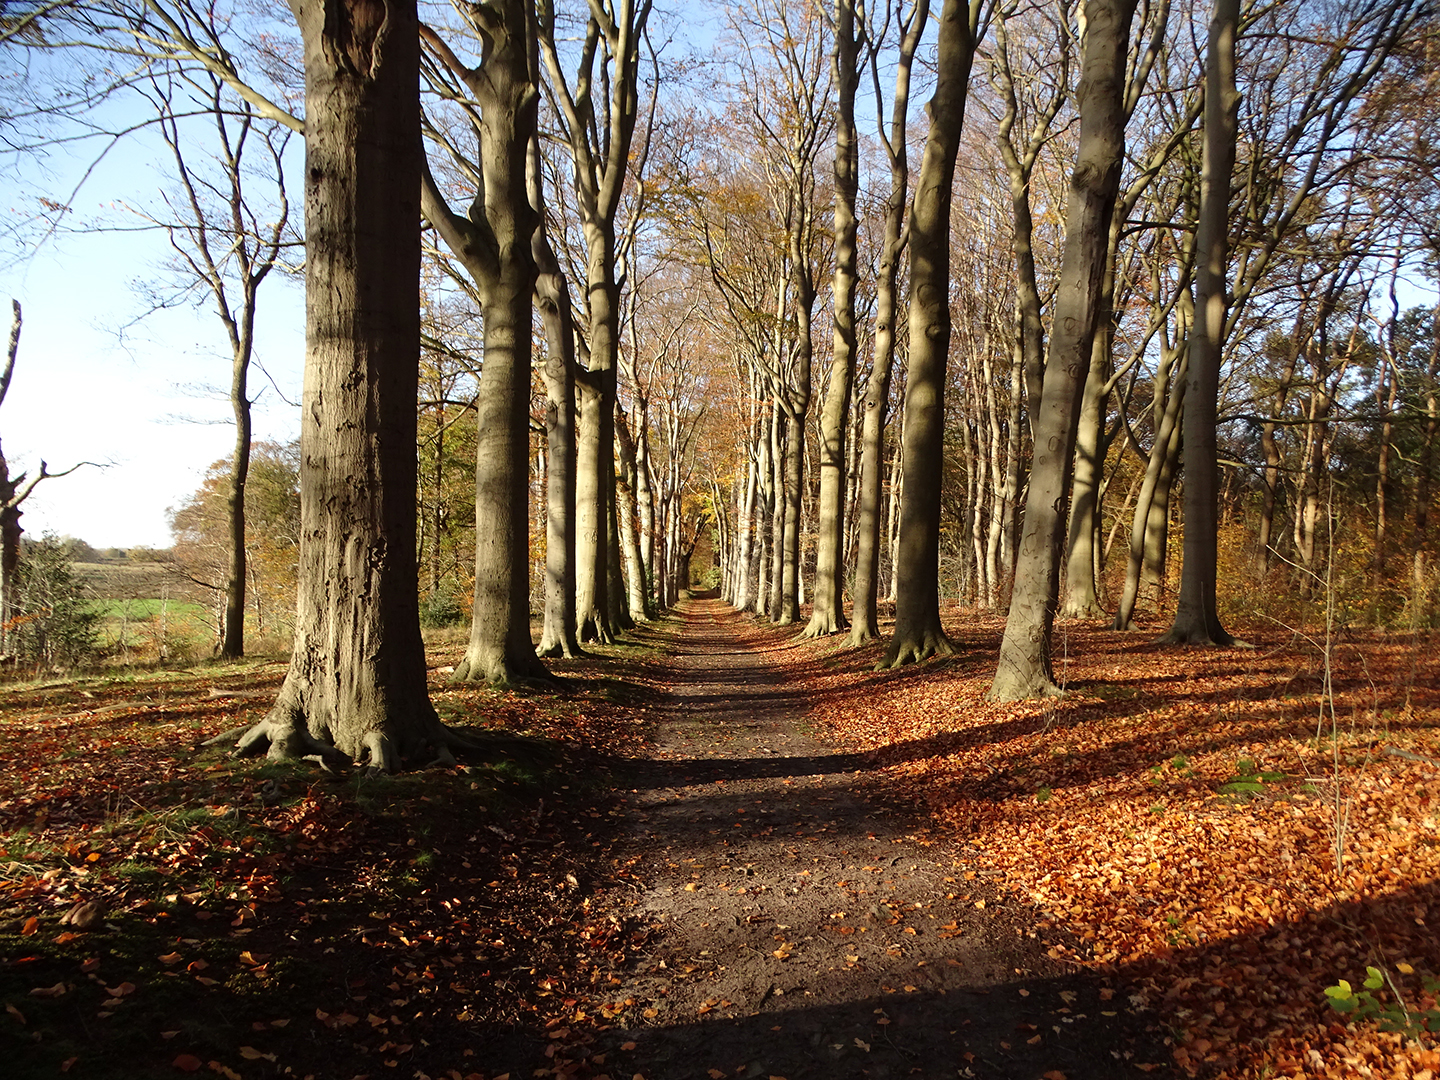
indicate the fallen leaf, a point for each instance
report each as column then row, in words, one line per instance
column 224, row 1070
column 715, row 1074
column 67, row 1063
column 188, row 1063
column 171, row 959
column 49, row 991
column 125, row 989
column 16, row 1013
column 862, row 1044
column 31, row 925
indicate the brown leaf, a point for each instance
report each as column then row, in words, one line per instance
column 187, row 1063
column 13, row 1011
column 31, row 925
column 125, row 989
column 49, row 991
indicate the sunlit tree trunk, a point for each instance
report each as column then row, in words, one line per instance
column 356, row 685
column 864, row 616
column 1197, row 620
column 918, row 633
column 1024, row 669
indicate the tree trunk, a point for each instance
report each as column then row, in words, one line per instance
column 356, row 685
column 627, row 511
column 1024, row 669
column 918, row 633
column 558, row 636
column 827, row 615
column 864, row 614
column 592, row 622
column 1080, row 599
column 1150, row 524
column 232, row 643
column 1197, row 620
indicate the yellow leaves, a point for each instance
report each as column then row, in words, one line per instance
column 783, row 952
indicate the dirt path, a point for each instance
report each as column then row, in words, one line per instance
column 806, row 928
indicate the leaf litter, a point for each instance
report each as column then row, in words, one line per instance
column 1157, row 852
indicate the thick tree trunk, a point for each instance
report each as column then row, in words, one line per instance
column 918, row 633
column 552, row 292
column 591, row 619
column 1024, row 669
column 627, row 511
column 356, row 685
column 864, row 614
column 1197, row 620
column 827, row 615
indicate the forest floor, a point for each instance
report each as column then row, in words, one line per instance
column 720, row 851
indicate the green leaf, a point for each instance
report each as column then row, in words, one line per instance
column 1340, row 991
column 1376, row 980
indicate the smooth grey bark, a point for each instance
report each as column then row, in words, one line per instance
column 494, row 244
column 864, row 614
column 598, row 135
column 552, row 296
column 1197, row 620
column 356, row 684
column 627, row 509
column 827, row 615
column 918, row 633
column 1024, row 669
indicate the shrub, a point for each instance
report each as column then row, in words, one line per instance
column 51, row 622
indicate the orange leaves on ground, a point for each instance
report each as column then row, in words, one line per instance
column 1175, row 820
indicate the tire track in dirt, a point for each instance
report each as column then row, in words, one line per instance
column 802, row 928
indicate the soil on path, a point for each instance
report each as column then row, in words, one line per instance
column 807, row 923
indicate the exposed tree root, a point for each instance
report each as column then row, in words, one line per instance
column 1023, row 690
column 499, row 670
column 861, row 633
column 1199, row 634
column 1091, row 609
column 914, row 649
column 824, row 624
column 554, row 648
column 284, row 736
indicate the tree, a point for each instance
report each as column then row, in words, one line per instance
column 1196, row 618
column 864, row 618
column 493, row 241
column 1024, row 669
column 14, row 490
column 223, row 248
column 51, row 622
column 598, row 136
column 918, row 633
column 356, row 684
column 828, row 615
column 201, row 526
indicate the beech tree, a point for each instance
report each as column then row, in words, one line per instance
column 827, row 614
column 1024, row 669
column 356, row 688
column 493, row 241
column 864, row 617
column 598, row 135
column 918, row 633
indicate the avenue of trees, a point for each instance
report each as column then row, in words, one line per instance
column 1132, row 321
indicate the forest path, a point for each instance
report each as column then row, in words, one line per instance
column 805, row 928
